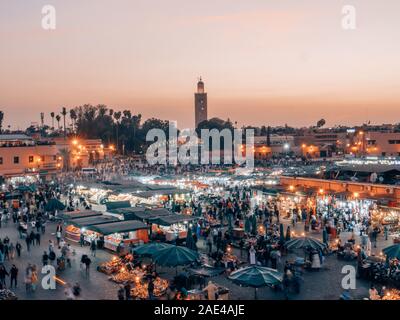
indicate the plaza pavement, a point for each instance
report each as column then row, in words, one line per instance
column 324, row 284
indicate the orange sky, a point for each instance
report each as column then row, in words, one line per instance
column 263, row 62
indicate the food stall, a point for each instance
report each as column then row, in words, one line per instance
column 116, row 264
column 130, row 213
column 173, row 226
column 67, row 216
column 112, row 205
column 140, row 289
column 76, row 227
column 120, row 233
column 140, row 213
column 387, row 216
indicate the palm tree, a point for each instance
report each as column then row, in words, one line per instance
column 64, row 113
column 73, row 116
column 58, row 118
column 52, row 115
column 117, row 116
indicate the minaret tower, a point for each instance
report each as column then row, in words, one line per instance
column 200, row 103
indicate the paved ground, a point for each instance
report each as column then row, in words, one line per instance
column 323, row 284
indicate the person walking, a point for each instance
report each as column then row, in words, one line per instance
column 93, row 247
column 32, row 237
column 58, row 233
column 28, row 243
column 51, row 246
column 13, row 276
column 12, row 251
column 3, row 275
column 81, row 240
column 45, row 259
column 87, row 263
column 6, row 251
column 37, row 238
column 52, row 257
column 18, row 248
column 28, row 279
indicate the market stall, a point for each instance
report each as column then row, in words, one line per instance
column 76, row 227
column 140, row 289
column 118, row 235
column 389, row 218
column 173, row 226
column 140, row 213
column 67, row 216
column 112, row 205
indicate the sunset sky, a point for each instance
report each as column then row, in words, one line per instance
column 264, row 62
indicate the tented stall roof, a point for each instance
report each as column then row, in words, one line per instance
column 118, row 227
column 78, row 214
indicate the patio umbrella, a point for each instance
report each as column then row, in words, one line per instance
column 13, row 195
column 256, row 277
column 150, row 249
column 54, row 205
column 392, row 251
column 24, row 188
column 175, row 256
column 190, row 243
column 304, row 242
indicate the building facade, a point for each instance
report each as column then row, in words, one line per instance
column 79, row 153
column 21, row 156
column 383, row 144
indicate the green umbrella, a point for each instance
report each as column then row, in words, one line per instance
column 174, row 256
column 13, row 195
column 392, row 251
column 150, row 249
column 304, row 242
column 256, row 277
column 24, row 188
column 54, row 205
